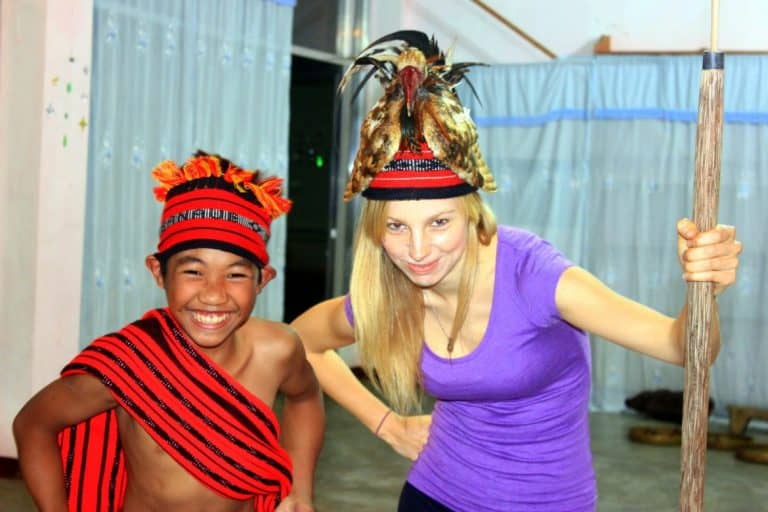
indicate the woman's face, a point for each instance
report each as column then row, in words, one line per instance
column 426, row 238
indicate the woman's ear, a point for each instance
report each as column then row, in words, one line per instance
column 153, row 264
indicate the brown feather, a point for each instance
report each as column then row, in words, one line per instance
column 450, row 132
column 437, row 116
column 379, row 141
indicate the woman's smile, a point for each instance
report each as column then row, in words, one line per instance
column 422, row 268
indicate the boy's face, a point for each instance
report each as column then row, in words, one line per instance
column 211, row 293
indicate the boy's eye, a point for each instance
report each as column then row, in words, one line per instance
column 191, row 272
column 239, row 275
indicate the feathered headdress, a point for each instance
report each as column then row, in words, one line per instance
column 211, row 202
column 418, row 141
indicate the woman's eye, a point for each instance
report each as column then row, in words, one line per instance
column 394, row 226
column 440, row 222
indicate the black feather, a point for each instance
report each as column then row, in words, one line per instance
column 414, row 38
column 408, row 131
column 474, row 92
column 365, row 79
column 458, row 71
column 386, row 68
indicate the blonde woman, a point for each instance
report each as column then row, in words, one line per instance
column 490, row 320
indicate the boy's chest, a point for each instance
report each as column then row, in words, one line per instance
column 157, row 480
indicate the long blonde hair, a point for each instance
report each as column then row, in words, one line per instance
column 389, row 308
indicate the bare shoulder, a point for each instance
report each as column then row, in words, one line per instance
column 274, row 341
column 276, row 359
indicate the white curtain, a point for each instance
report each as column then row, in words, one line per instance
column 170, row 77
column 597, row 155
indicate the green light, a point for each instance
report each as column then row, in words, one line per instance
column 319, row 162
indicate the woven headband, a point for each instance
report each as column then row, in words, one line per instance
column 416, row 175
column 212, row 203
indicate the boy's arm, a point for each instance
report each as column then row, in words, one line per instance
column 63, row 402
column 303, row 422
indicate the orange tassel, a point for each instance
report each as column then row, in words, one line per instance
column 168, row 174
column 202, row 167
column 268, row 191
column 269, row 194
column 239, row 177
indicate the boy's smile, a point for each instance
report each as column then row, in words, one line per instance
column 210, row 292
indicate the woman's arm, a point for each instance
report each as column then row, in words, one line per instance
column 587, row 303
column 303, row 425
column 324, row 328
column 64, row 402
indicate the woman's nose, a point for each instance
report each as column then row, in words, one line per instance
column 418, row 247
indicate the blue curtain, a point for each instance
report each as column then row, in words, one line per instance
column 597, row 155
column 169, row 77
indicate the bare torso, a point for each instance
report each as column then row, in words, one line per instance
column 156, row 482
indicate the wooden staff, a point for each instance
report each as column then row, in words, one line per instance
column 701, row 302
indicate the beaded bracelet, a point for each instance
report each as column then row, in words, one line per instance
column 376, row 432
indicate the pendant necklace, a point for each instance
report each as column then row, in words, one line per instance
column 451, row 341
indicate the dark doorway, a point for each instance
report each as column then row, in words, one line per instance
column 311, row 142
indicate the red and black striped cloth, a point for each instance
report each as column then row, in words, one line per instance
column 209, row 423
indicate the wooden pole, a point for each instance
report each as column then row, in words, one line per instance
column 700, row 295
column 517, row 30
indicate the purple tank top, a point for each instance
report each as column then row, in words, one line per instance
column 510, row 427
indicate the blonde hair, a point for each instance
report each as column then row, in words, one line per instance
column 389, row 308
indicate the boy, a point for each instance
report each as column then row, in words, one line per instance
column 173, row 412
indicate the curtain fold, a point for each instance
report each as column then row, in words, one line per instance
column 597, row 155
column 169, row 78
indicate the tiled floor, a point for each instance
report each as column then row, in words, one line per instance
column 360, row 473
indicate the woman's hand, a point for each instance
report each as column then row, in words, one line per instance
column 710, row 255
column 407, row 435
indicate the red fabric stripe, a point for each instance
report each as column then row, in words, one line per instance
column 222, row 231
column 216, row 198
column 217, row 422
column 406, row 154
column 211, row 408
column 210, row 229
column 214, row 205
column 140, row 373
column 415, row 179
column 216, row 407
column 88, row 489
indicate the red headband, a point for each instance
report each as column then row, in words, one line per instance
column 210, row 202
column 416, row 175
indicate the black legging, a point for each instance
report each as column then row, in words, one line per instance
column 413, row 500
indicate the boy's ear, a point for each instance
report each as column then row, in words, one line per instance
column 153, row 264
column 267, row 274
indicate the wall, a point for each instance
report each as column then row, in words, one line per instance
column 45, row 61
column 569, row 27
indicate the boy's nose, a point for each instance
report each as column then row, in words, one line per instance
column 213, row 293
